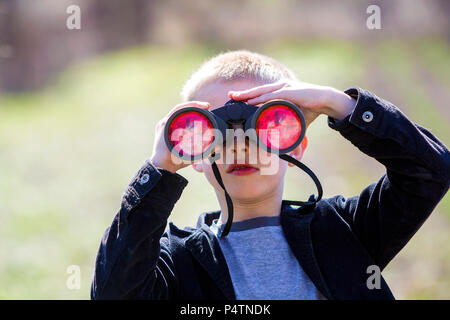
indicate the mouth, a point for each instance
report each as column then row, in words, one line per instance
column 240, row 169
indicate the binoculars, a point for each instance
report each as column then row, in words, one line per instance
column 192, row 133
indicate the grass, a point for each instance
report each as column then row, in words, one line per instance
column 68, row 151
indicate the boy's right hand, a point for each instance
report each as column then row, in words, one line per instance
column 161, row 156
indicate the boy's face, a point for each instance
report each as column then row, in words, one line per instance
column 261, row 174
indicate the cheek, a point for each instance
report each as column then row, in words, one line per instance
column 271, row 164
column 274, row 173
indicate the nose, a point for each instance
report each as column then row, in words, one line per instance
column 239, row 147
column 240, row 144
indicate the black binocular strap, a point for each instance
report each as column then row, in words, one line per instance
column 223, row 233
column 311, row 201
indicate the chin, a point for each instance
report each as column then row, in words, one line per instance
column 248, row 198
column 249, row 192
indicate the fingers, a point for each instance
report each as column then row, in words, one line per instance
column 197, row 104
column 280, row 94
column 256, row 91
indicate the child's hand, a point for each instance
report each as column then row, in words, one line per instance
column 312, row 99
column 162, row 157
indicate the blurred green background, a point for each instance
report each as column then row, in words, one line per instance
column 78, row 110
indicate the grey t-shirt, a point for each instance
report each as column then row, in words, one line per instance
column 261, row 263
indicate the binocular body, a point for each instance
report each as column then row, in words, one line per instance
column 192, row 133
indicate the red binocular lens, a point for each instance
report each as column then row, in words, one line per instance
column 190, row 133
column 279, row 126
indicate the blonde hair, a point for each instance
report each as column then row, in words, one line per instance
column 232, row 65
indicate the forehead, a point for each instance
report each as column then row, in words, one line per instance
column 216, row 93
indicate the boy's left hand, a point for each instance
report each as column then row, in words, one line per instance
column 312, row 99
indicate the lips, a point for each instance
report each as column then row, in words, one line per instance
column 241, row 169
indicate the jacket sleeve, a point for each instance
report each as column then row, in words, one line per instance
column 134, row 260
column 388, row 213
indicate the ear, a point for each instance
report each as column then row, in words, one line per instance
column 298, row 152
column 198, row 166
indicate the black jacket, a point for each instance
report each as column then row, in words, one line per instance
column 334, row 243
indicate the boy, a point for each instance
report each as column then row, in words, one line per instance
column 273, row 251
